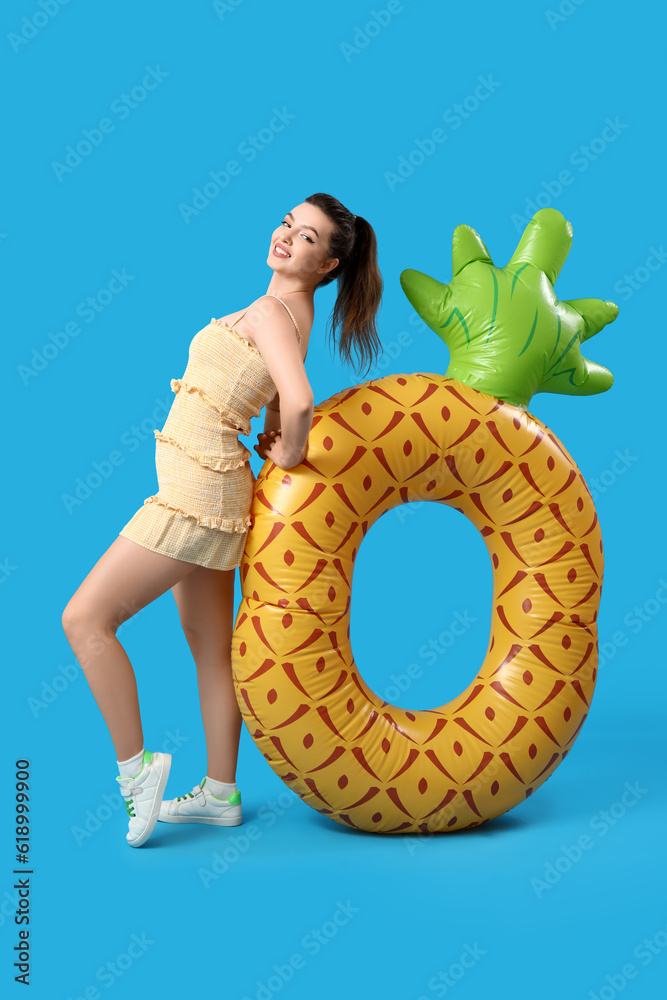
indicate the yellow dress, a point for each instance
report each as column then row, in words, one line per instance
column 205, row 484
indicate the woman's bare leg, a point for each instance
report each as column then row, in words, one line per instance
column 123, row 581
column 205, row 601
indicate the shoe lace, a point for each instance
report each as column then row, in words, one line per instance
column 128, row 789
column 197, row 791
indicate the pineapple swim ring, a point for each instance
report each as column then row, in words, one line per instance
column 464, row 439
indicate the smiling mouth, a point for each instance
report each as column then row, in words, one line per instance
column 279, row 252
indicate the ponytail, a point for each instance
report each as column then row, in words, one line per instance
column 360, row 283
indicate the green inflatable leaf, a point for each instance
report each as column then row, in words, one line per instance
column 507, row 333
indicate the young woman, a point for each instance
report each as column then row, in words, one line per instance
column 190, row 536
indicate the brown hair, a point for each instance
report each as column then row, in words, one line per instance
column 360, row 283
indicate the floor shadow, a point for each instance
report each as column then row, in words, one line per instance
column 500, row 824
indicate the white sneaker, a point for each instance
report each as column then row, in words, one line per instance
column 202, row 806
column 143, row 795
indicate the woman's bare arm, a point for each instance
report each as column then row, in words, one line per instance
column 273, row 333
column 272, row 415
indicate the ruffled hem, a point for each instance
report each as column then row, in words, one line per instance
column 236, row 421
column 219, row 463
column 221, row 523
column 235, row 333
column 177, row 384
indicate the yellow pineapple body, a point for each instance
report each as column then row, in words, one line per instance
column 345, row 751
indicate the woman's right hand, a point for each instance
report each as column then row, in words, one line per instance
column 266, row 439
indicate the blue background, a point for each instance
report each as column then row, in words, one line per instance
column 407, row 909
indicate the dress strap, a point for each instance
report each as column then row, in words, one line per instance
column 298, row 334
column 290, row 312
column 238, row 318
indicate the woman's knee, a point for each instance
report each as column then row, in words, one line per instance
column 202, row 633
column 194, row 630
column 71, row 619
column 80, row 622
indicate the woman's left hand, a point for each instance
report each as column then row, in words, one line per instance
column 265, row 439
column 277, row 454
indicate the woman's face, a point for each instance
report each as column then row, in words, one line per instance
column 299, row 244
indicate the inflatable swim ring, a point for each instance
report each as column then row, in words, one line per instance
column 349, row 754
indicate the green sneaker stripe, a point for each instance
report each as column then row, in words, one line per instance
column 234, row 798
